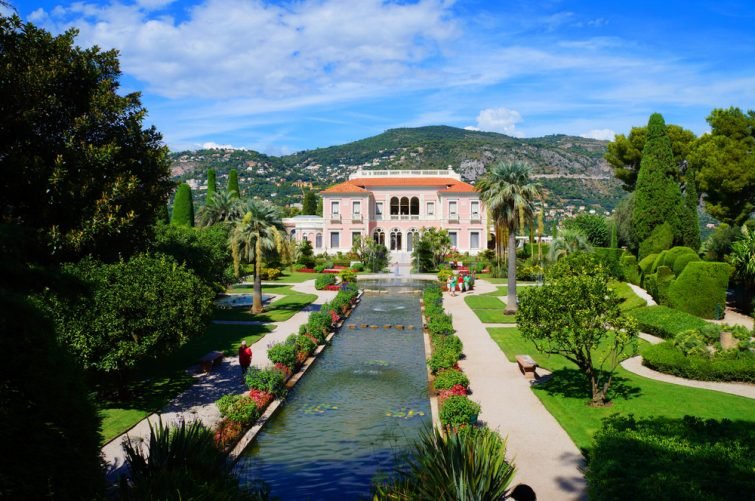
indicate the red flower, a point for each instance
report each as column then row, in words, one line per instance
column 284, row 369
column 261, row 398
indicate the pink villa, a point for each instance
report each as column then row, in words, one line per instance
column 394, row 207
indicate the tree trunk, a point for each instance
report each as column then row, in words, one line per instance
column 511, row 306
column 598, row 394
column 257, row 296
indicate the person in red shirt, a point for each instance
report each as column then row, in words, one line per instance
column 245, row 357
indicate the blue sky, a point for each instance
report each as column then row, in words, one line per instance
column 283, row 76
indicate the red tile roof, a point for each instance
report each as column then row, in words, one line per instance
column 444, row 184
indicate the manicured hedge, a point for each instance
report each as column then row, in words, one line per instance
column 611, row 259
column 660, row 239
column 629, row 269
column 665, row 357
column 665, row 322
column 646, row 263
column 672, row 255
column 682, row 261
column 700, row 287
column 679, row 459
column 323, row 281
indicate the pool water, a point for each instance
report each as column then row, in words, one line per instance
column 355, row 411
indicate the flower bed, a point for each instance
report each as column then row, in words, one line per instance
column 265, row 385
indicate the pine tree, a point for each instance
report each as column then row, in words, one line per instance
column 658, row 198
column 690, row 222
column 233, row 183
column 183, row 207
column 211, row 185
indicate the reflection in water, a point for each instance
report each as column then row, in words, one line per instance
column 358, row 407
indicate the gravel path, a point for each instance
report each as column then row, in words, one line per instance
column 545, row 457
column 643, row 294
column 198, row 401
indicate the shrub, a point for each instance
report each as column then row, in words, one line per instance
column 327, row 265
column 611, row 259
column 238, row 408
column 662, row 458
column 444, row 274
column 674, row 253
column 227, row 433
column 663, row 279
column 323, row 281
column 260, row 398
column 440, row 324
column 700, row 287
column 447, row 379
column 456, row 390
column 183, row 207
column 318, row 325
column 592, row 225
column 446, row 352
column 299, row 267
column 357, row 267
column 270, row 273
column 629, row 269
column 737, row 366
column 646, row 263
column 682, row 261
column 269, row 380
column 233, row 183
column 348, row 276
column 691, row 342
column 665, row 322
column 459, row 411
column 659, row 240
column 304, row 344
column 284, row 354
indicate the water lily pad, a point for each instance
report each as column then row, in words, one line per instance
column 404, row 413
column 320, row 408
column 379, row 363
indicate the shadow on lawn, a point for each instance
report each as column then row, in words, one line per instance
column 571, row 383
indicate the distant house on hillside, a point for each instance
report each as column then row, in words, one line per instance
column 393, row 207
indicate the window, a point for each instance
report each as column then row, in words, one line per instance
column 414, row 206
column 404, row 206
column 454, row 239
column 335, row 209
column 379, row 236
column 430, row 208
column 335, row 239
column 355, row 237
column 453, row 210
column 412, row 237
column 474, row 240
column 356, row 210
column 475, row 209
column 318, row 241
column 293, row 233
column 378, row 210
column 394, row 206
column 395, row 239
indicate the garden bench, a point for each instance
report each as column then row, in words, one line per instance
column 212, row 359
column 527, row 365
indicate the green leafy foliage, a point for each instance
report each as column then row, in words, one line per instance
column 660, row 239
column 130, row 311
column 646, row 263
column 662, row 458
column 78, row 166
column 449, row 378
column 309, row 203
column 459, row 410
column 269, row 380
column 699, row 288
column 233, row 184
column 212, row 185
column 611, row 260
column 324, row 279
column 470, row 463
column 183, row 207
column 283, row 353
column 629, row 269
column 657, row 198
column 592, row 225
column 305, row 254
column 697, row 363
column 238, row 408
column 689, row 221
column 665, row 322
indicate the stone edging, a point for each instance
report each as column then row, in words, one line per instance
column 434, row 407
column 271, row 409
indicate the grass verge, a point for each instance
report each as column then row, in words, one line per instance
column 489, row 309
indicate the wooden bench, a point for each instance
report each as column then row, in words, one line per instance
column 212, row 359
column 527, row 365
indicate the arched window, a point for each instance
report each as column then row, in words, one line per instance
column 306, row 236
column 318, row 241
column 404, row 206
column 395, row 239
column 414, row 206
column 379, row 236
column 293, row 233
column 411, row 239
column 394, row 206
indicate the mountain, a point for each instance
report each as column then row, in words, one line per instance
column 572, row 169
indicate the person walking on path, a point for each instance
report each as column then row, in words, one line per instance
column 466, row 283
column 453, row 285
column 245, row 357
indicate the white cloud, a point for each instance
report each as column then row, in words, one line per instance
column 233, row 48
column 501, row 120
column 601, row 134
column 211, row 145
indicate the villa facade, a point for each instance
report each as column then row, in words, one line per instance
column 394, row 207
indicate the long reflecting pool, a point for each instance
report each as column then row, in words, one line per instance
column 356, row 409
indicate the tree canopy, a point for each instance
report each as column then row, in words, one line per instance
column 183, row 207
column 309, row 204
column 78, row 165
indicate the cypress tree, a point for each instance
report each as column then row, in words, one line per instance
column 211, row 185
column 183, row 207
column 690, row 223
column 309, row 204
column 614, row 236
column 657, row 198
column 233, row 184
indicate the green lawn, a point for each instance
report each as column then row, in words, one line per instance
column 504, row 280
column 503, row 291
column 295, row 277
column 157, row 381
column 567, row 393
column 279, row 310
column 489, row 309
column 280, row 289
column 631, row 300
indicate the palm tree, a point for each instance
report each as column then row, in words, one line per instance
column 569, row 241
column 258, row 231
column 509, row 194
column 221, row 208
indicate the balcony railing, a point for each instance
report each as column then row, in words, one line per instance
column 453, row 218
column 335, row 218
column 356, row 218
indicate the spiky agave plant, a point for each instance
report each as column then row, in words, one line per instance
column 466, row 465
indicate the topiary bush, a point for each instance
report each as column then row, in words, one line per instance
column 659, row 240
column 673, row 254
column 447, row 379
column 629, row 269
column 663, row 279
column 682, row 261
column 700, row 288
column 665, row 322
column 646, row 262
column 324, row 280
column 459, row 410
